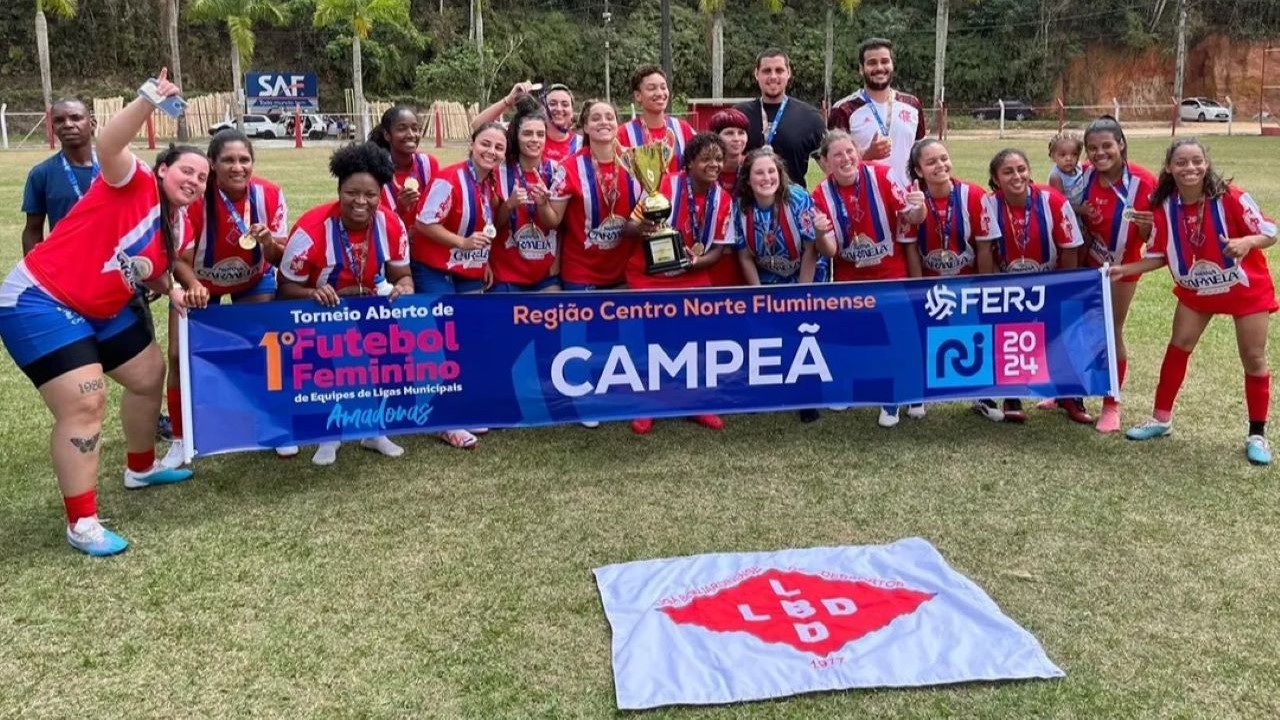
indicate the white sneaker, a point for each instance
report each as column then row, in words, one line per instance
column 590, row 423
column 916, row 412
column 173, row 459
column 839, row 408
column 288, row 451
column 382, row 444
column 888, row 419
column 89, row 537
column 326, row 453
column 478, row 431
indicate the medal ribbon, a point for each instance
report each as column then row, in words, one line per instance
column 943, row 223
column 480, row 195
column 1034, row 208
column 875, row 111
column 348, row 253
column 1126, row 199
column 1177, row 224
column 71, row 176
column 770, row 130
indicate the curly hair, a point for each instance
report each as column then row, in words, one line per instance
column 644, row 71
column 357, row 158
column 1066, row 136
column 697, row 144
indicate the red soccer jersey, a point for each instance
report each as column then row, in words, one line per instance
column 703, row 223
column 463, row 205
column 561, row 150
column 600, row 199
column 946, row 240
column 222, row 266
column 729, row 181
column 321, row 251
column 1192, row 238
column 1109, row 236
column 107, row 244
column 864, row 218
column 525, row 251
column 674, row 132
column 424, row 170
column 1030, row 242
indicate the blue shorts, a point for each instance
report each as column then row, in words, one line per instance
column 430, row 281
column 47, row 338
column 543, row 284
column 265, row 286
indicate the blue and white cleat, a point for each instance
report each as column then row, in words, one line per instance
column 157, row 475
column 1149, row 430
column 89, row 537
column 1258, row 450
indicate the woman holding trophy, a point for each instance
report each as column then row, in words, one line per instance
column 683, row 225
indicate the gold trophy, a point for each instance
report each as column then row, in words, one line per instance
column 664, row 249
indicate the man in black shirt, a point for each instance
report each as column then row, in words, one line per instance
column 792, row 127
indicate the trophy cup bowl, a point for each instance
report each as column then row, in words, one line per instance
column 664, row 250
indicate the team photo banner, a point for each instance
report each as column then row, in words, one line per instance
column 258, row 376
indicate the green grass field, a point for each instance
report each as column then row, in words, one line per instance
column 452, row 584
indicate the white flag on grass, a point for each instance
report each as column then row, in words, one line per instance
column 726, row 627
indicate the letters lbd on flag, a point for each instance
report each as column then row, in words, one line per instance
column 728, row 627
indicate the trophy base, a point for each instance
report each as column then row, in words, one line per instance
column 664, row 252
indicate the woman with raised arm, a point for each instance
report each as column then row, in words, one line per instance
column 868, row 211
column 1211, row 235
column 400, row 133
column 352, row 247
column 1036, row 231
column 65, row 322
column 238, row 232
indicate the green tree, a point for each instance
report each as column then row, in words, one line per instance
column 359, row 17
column 715, row 10
column 59, row 8
column 240, row 17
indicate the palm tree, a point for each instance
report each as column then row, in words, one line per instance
column 59, row 8
column 359, row 17
column 240, row 16
column 715, row 8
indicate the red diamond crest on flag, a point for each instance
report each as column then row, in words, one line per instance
column 810, row 613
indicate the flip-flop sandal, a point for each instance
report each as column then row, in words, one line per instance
column 460, row 439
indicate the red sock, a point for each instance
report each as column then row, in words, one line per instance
column 1172, row 372
column 1122, row 369
column 1257, row 396
column 175, row 412
column 81, row 506
column 141, row 461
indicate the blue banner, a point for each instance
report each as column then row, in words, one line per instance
column 267, row 91
column 264, row 375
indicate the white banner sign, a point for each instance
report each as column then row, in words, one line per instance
column 728, row 627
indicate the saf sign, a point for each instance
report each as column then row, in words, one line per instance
column 265, row 91
column 810, row 613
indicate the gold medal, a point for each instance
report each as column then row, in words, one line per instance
column 411, row 184
column 698, row 249
column 248, row 242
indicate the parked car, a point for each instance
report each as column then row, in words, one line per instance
column 313, row 126
column 1013, row 110
column 255, row 126
column 1202, row 109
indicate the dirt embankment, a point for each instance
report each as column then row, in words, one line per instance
column 1217, row 67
